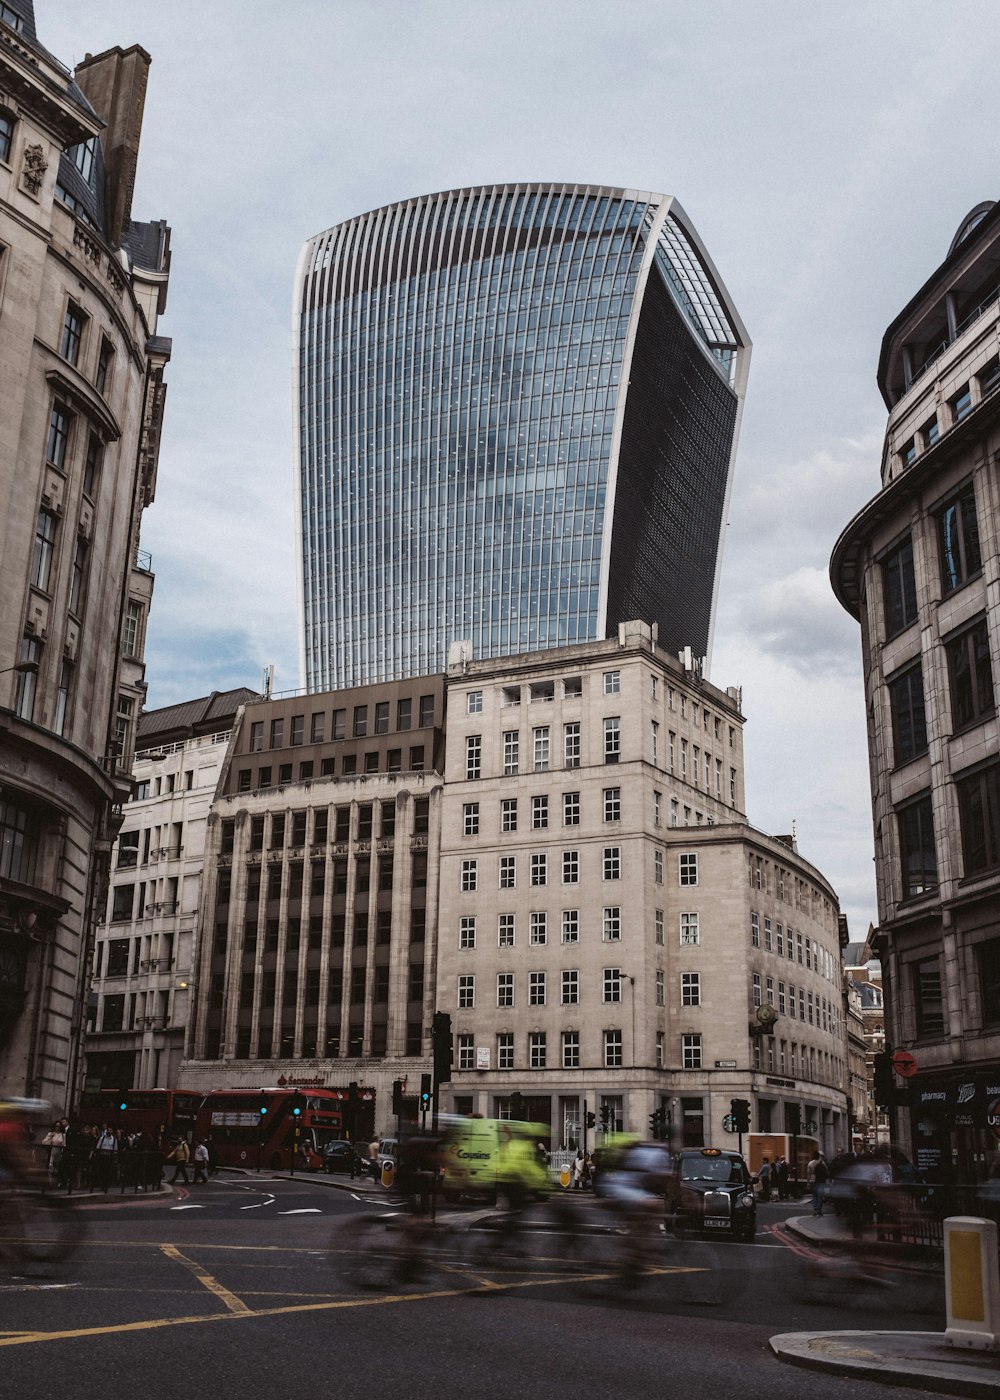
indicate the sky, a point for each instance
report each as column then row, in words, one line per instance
column 825, row 154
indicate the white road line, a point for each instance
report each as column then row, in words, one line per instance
column 257, row 1204
column 310, row 1210
column 187, row 1207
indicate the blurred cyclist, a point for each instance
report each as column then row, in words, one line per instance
column 16, row 1160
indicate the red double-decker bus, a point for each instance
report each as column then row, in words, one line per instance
column 257, row 1128
column 170, row 1112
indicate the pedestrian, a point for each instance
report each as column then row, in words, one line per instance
column 373, row 1159
column 577, row 1173
column 781, row 1177
column 817, row 1175
column 105, row 1158
column 55, row 1141
column 764, row 1177
column 200, row 1164
column 180, row 1156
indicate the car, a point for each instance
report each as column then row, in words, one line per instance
column 710, row 1191
column 337, row 1158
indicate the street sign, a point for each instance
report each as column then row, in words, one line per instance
column 904, row 1064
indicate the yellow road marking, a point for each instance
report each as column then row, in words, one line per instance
column 154, row 1324
column 234, row 1304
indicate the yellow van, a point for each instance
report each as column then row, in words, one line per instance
column 481, row 1153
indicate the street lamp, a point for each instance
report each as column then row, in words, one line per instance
column 23, row 668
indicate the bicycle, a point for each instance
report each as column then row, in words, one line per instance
column 397, row 1251
column 39, row 1233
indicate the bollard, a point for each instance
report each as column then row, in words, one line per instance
column 388, row 1174
column 564, row 1177
column 972, row 1283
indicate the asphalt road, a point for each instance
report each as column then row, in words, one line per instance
column 244, row 1288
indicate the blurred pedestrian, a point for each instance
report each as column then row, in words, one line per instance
column 180, row 1156
column 817, row 1175
column 200, row 1164
column 764, row 1177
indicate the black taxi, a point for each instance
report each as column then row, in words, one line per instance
column 710, row 1191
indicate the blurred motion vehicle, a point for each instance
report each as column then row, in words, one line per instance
column 337, row 1157
column 710, row 1191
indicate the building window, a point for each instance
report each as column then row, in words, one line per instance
column 466, row 1051
column 688, row 868
column 612, row 863
column 92, row 466
column 971, row 677
column 755, row 930
column 756, row 989
column 133, row 620
column 571, row 809
column 612, row 739
column 505, row 930
column 571, row 926
column 988, row 960
column 917, row 850
column 571, row 1049
column 62, row 696
column 691, row 1051
column 467, row 931
column 930, row 432
column 906, row 703
column 505, row 1050
column 41, row 559
column 540, row 738
column 571, row 744
column 470, row 819
column 425, row 712
column 690, row 989
column 474, row 702
column 660, row 987
column 571, row 867
column 613, row 804
column 657, row 806
column 539, row 813
column 105, row 361
column 536, row 1049
column 612, row 682
column 539, row 869
column 612, row 924
column 927, row 997
column 466, row 992
column 899, row 589
column 658, row 867
column 508, row 814
column 277, row 733
column 6, row 129
column 979, row 814
column 660, row 1050
column 474, row 756
column 658, row 926
column 538, row 935
column 958, row 532
column 536, row 988
column 511, row 745
column 123, row 727
column 612, row 1049
column 72, row 333
column 960, row 403
column 612, row 984
column 508, row 872
column 570, row 993
column 768, row 947
column 505, row 989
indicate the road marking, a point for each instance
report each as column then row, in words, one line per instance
column 258, row 1204
column 234, row 1304
column 306, row 1210
column 187, row 1207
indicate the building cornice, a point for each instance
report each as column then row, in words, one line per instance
column 79, row 393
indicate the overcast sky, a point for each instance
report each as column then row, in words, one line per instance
column 826, row 155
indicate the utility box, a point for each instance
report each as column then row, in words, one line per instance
column 972, row 1283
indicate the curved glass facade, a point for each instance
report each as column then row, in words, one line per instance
column 472, row 463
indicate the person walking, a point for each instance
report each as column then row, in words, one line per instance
column 200, row 1164
column 781, row 1178
column 105, row 1157
column 817, row 1175
column 577, row 1171
column 180, row 1156
column 764, row 1177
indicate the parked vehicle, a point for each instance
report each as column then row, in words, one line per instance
column 337, row 1157
column 710, row 1191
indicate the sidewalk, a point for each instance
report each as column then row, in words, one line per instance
column 922, row 1360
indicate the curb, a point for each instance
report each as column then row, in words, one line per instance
column 920, row 1360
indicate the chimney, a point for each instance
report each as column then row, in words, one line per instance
column 114, row 83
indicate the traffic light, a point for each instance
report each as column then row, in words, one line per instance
column 425, row 1093
column 263, row 1110
column 591, row 1120
column 658, row 1124
column 885, row 1085
column 794, row 1118
column 516, row 1105
column 123, row 1105
column 654, row 1124
column 740, row 1110
column 442, row 1047
column 397, row 1097
column 605, row 1116
column 296, row 1105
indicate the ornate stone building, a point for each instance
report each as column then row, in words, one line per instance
column 81, row 288
column 919, row 567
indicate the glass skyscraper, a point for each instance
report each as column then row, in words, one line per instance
column 517, row 417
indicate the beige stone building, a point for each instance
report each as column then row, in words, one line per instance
column 81, row 288
column 141, row 991
column 613, row 937
column 919, row 567
column 316, row 962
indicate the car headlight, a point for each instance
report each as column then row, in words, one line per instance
column 746, row 1200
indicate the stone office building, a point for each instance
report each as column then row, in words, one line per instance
column 316, row 962
column 82, row 286
column 612, row 933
